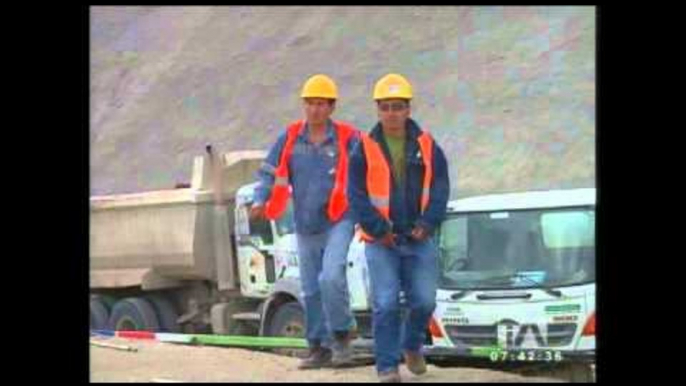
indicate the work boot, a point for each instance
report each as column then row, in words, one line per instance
column 415, row 362
column 390, row 376
column 342, row 351
column 317, row 358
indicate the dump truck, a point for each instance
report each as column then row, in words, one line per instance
column 516, row 282
column 190, row 259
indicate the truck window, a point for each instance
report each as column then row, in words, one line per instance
column 263, row 230
column 453, row 244
column 569, row 237
column 492, row 249
column 568, row 229
column 260, row 230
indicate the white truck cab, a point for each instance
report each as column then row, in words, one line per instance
column 517, row 278
column 268, row 267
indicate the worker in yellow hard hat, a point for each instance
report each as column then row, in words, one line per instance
column 398, row 192
column 310, row 160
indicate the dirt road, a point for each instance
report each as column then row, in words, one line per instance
column 155, row 361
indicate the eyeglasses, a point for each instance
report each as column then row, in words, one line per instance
column 394, row 106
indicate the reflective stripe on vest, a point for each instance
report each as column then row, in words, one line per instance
column 425, row 144
column 338, row 200
column 379, row 176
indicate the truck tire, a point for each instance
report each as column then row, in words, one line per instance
column 133, row 314
column 288, row 321
column 109, row 301
column 99, row 314
column 166, row 313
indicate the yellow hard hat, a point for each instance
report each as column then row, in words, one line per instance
column 320, row 86
column 392, row 86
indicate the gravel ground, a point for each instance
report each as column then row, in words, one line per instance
column 166, row 362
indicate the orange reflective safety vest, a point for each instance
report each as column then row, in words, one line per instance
column 379, row 176
column 338, row 200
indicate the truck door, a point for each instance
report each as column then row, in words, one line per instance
column 255, row 247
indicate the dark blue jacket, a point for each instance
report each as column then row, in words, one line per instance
column 405, row 211
column 311, row 172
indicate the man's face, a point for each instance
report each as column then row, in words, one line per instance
column 393, row 113
column 318, row 110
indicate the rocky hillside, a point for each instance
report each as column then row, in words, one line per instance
column 509, row 92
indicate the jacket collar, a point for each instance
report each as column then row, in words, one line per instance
column 412, row 130
column 330, row 132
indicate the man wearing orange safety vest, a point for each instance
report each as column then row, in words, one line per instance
column 311, row 157
column 398, row 190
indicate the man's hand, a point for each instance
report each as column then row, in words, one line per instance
column 419, row 233
column 257, row 212
column 388, row 240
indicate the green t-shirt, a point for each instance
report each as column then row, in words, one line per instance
column 396, row 146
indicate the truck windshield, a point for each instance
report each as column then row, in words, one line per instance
column 517, row 249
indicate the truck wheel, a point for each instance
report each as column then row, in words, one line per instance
column 109, row 301
column 133, row 314
column 166, row 313
column 99, row 314
column 288, row 321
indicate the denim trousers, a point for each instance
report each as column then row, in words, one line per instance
column 322, row 259
column 413, row 269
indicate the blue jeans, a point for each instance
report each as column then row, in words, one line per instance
column 322, row 259
column 412, row 268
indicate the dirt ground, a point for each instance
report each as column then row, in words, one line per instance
column 167, row 362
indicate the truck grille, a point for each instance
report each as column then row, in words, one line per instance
column 473, row 335
column 487, row 335
column 561, row 334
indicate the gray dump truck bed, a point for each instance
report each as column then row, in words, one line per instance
column 157, row 239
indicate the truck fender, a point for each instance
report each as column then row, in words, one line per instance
column 284, row 290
